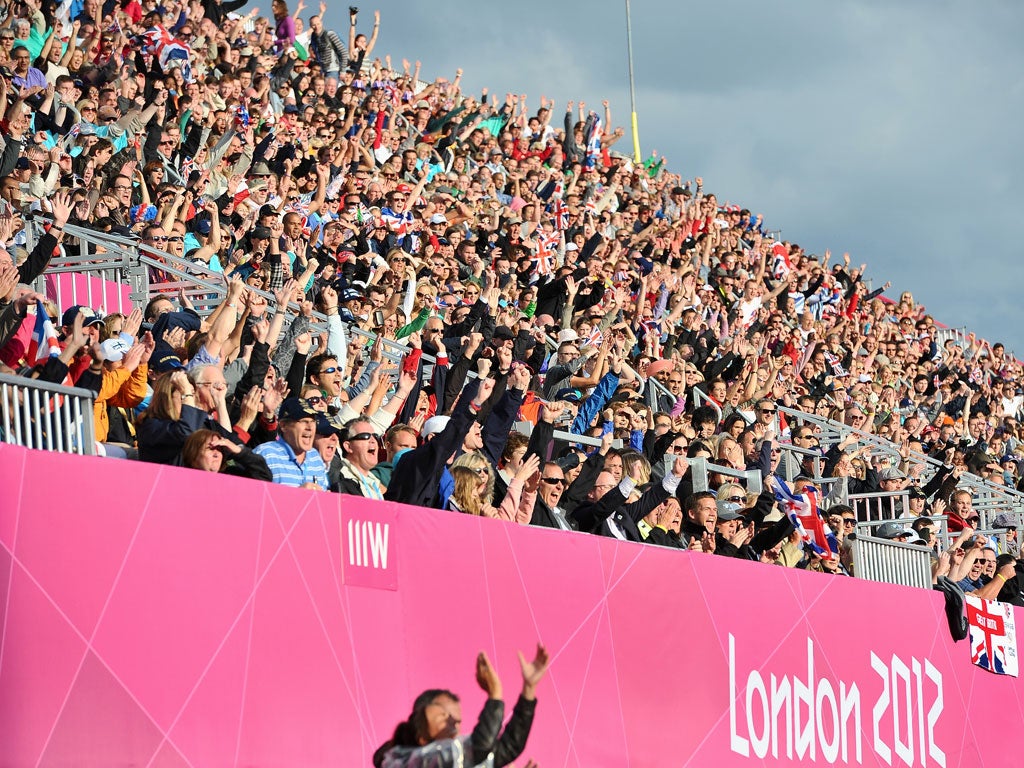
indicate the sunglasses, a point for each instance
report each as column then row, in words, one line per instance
column 736, row 499
column 332, row 369
column 553, row 480
column 849, row 521
column 361, row 436
column 315, row 400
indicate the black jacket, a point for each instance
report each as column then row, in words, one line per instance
column 417, row 475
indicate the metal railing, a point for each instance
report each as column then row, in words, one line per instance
column 37, row 414
column 892, row 562
column 988, row 497
column 700, row 398
column 880, row 506
column 700, row 469
column 526, row 428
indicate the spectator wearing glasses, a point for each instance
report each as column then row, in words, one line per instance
column 25, row 75
column 360, row 452
column 607, row 509
column 474, row 488
column 546, row 511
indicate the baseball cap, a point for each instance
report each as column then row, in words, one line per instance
column 166, row 363
column 503, row 333
column 728, row 510
column 114, row 350
column 325, row 427
column 296, row 409
column 90, row 316
column 569, row 395
column 433, row 425
column 890, row 530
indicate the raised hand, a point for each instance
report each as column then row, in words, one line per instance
column 533, row 671
column 250, row 408
column 60, row 207
column 551, row 411
column 8, row 278
column 482, row 395
column 487, row 678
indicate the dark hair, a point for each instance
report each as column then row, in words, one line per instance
column 704, row 415
column 314, row 364
column 696, row 447
column 408, row 732
column 194, row 446
column 690, row 503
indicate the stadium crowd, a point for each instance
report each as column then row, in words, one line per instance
column 530, row 273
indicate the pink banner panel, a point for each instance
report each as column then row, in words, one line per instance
column 159, row 616
column 71, row 288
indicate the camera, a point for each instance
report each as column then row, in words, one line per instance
column 352, row 10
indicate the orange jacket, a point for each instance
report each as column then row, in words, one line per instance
column 121, row 389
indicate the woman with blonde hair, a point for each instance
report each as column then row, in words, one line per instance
column 474, row 489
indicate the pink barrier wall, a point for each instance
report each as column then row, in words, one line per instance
column 70, row 288
column 156, row 616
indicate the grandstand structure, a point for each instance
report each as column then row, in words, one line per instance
column 157, row 614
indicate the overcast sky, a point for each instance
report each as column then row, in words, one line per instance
column 887, row 128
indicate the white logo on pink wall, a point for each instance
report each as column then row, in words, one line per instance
column 368, row 553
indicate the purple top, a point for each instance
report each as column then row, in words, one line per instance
column 31, row 79
column 285, row 31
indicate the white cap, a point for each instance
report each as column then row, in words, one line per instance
column 114, row 349
column 433, row 425
column 567, row 335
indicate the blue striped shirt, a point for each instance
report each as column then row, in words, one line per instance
column 287, row 471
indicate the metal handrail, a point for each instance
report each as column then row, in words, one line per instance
column 700, row 467
column 892, row 562
column 833, row 432
column 700, row 397
column 45, row 416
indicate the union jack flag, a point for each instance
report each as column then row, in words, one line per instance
column 836, row 363
column 170, row 51
column 781, row 264
column 43, row 344
column 560, row 214
column 242, row 193
column 300, row 207
column 399, row 223
column 993, row 635
column 802, row 510
column 595, row 338
column 544, row 261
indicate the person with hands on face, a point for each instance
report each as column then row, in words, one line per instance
column 430, row 736
column 700, row 517
column 208, row 451
column 607, row 512
column 664, row 523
